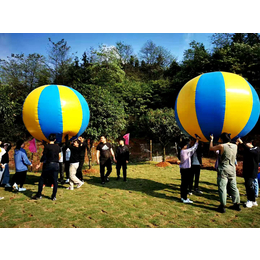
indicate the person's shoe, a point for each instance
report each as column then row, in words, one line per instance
column 36, row 197
column 188, row 201
column 118, row 178
column 198, row 191
column 102, row 182
column 70, row 188
column 54, row 198
column 1, row 198
column 221, row 208
column 52, row 186
column 15, row 186
column 107, row 179
column 236, row 206
column 182, row 199
column 67, row 181
column 80, row 184
column 254, row 203
column 248, row 204
column 21, row 189
column 8, row 185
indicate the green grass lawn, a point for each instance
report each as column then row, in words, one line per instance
column 150, row 198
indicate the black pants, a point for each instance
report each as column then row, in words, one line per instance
column 67, row 169
column 50, row 171
column 62, row 168
column 250, row 189
column 79, row 170
column 19, row 178
column 118, row 168
column 185, row 180
column 195, row 171
column 108, row 165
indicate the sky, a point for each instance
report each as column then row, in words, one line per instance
column 29, row 43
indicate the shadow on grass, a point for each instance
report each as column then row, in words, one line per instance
column 153, row 188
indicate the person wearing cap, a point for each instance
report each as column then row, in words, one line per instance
column 185, row 167
column 122, row 158
column 226, row 171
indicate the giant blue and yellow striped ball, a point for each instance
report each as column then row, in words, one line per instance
column 55, row 109
column 217, row 102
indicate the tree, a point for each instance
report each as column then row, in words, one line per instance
column 107, row 115
column 160, row 124
column 125, row 52
column 59, row 60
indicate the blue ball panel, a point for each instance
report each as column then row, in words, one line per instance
column 51, row 123
column 210, row 93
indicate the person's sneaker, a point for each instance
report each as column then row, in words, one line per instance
column 198, row 191
column 70, row 188
column 248, row 204
column 1, row 198
column 221, row 209
column 15, row 186
column 54, row 198
column 254, row 203
column 8, row 185
column 102, row 182
column 236, row 206
column 107, row 179
column 67, row 181
column 80, row 184
column 21, row 189
column 52, row 186
column 36, row 197
column 118, row 178
column 182, row 199
column 188, row 201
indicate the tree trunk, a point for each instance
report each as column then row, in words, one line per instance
column 164, row 154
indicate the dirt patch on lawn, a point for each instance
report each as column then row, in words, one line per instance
column 163, row 164
column 90, row 171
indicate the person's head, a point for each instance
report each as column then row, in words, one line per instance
column 52, row 137
column 76, row 143
column 103, row 139
column 184, row 144
column 5, row 146
column 121, row 142
column 225, row 138
column 19, row 144
column 249, row 139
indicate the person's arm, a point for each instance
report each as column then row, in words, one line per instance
column 25, row 159
column 98, row 155
column 112, row 153
column 215, row 148
column 191, row 151
column 127, row 154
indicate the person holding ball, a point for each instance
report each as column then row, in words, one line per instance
column 226, row 171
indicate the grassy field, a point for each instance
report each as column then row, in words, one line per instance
column 149, row 199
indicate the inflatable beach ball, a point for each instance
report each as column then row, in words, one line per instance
column 217, row 102
column 55, row 109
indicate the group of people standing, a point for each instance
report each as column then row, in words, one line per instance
column 190, row 161
column 59, row 158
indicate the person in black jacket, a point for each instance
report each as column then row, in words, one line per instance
column 5, row 161
column 196, row 162
column 250, row 170
column 82, row 153
column 122, row 158
column 50, row 170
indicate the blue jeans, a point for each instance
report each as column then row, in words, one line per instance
column 6, row 175
column 256, row 186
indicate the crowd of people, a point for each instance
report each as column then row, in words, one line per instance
column 69, row 158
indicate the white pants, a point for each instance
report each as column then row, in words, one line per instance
column 73, row 171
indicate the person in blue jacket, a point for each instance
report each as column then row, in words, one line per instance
column 21, row 166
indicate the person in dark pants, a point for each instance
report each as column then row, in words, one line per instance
column 21, row 166
column 51, row 167
column 196, row 162
column 5, row 161
column 104, row 153
column 82, row 146
column 250, row 170
column 185, row 167
column 62, row 159
column 122, row 158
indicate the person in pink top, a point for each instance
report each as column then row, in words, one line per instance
column 185, row 167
